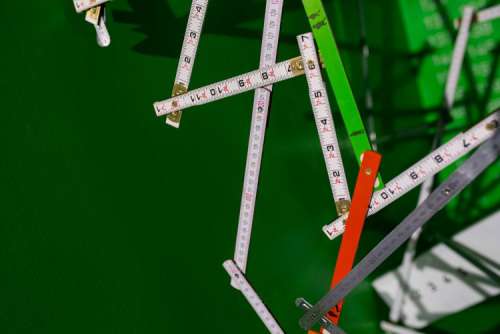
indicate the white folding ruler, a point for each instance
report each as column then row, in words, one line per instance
column 458, row 55
column 242, row 83
column 454, row 184
column 252, row 297
column 102, row 33
column 83, row 5
column 188, row 55
column 430, row 165
column 425, row 191
column 484, row 15
column 488, row 14
column 270, row 37
column 324, row 123
column 96, row 15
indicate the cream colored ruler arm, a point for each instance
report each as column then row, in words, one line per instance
column 458, row 56
column 242, row 83
column 188, row 55
column 269, row 48
column 430, row 165
column 324, row 123
column 252, row 297
column 83, row 5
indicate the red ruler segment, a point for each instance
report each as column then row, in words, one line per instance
column 354, row 225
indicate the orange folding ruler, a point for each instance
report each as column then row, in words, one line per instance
column 354, row 225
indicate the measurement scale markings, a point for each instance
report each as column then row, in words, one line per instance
column 430, row 165
column 269, row 48
column 325, row 124
column 243, row 83
column 454, row 184
column 188, row 55
column 252, row 298
column 338, row 78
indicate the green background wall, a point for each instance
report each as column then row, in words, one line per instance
column 112, row 222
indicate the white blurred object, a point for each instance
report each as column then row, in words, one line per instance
column 83, row 5
column 395, row 329
column 442, row 281
column 103, row 37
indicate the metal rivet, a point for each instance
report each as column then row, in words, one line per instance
column 492, row 125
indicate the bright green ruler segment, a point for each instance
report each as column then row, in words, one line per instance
column 427, row 25
column 338, row 79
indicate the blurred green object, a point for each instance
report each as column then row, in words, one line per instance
column 112, row 222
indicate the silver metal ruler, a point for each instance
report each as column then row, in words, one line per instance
column 466, row 262
column 430, row 165
column 242, row 83
column 83, row 5
column 269, row 48
column 462, row 177
column 188, row 55
column 252, row 297
column 324, row 124
column 458, row 56
column 328, row 327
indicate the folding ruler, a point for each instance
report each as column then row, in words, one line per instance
column 450, row 90
column 96, row 15
column 484, row 15
column 355, row 222
column 83, row 5
column 325, row 125
column 338, row 79
column 252, row 297
column 430, row 165
column 188, row 55
column 270, row 37
column 265, row 76
column 488, row 14
column 462, row 177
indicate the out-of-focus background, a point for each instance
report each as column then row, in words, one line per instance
column 112, row 222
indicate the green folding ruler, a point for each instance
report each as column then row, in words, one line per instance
column 431, row 25
column 338, row 79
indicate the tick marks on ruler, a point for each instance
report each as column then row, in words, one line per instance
column 357, row 133
column 315, row 15
column 320, row 24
